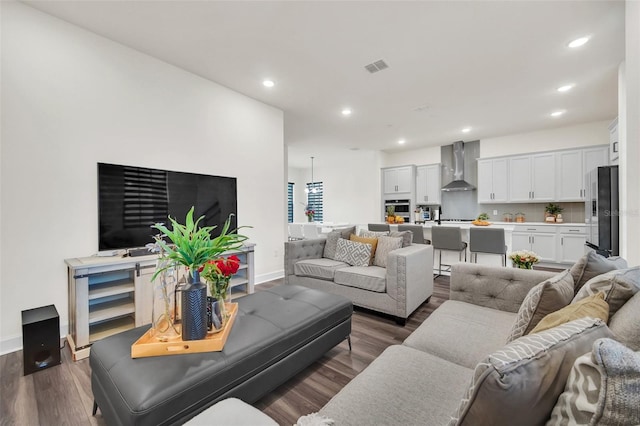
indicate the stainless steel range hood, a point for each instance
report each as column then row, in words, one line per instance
column 458, row 184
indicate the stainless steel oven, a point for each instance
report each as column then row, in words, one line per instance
column 401, row 207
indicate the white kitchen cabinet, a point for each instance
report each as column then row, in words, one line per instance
column 573, row 165
column 532, row 177
column 428, row 184
column 571, row 243
column 398, row 180
column 538, row 239
column 493, row 179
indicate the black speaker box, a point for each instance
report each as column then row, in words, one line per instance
column 40, row 338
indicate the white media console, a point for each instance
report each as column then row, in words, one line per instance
column 108, row 295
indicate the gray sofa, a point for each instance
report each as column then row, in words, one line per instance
column 397, row 290
column 423, row 380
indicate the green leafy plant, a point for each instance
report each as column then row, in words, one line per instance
column 192, row 245
column 483, row 216
column 553, row 209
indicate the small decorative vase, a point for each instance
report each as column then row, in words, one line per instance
column 214, row 315
column 163, row 309
column 194, row 308
column 309, row 218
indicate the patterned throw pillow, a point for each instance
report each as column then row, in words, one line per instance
column 548, row 296
column 373, row 234
column 407, row 237
column 353, row 253
column 372, row 241
column 603, row 388
column 592, row 306
column 618, row 286
column 520, row 383
column 385, row 246
column 591, row 265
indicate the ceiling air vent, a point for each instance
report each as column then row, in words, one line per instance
column 376, row 66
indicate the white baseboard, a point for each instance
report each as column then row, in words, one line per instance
column 263, row 278
column 14, row 343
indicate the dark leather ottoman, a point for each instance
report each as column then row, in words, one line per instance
column 277, row 333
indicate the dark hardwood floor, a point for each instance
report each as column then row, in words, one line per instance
column 62, row 395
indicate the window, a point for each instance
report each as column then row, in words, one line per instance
column 290, row 202
column 314, row 200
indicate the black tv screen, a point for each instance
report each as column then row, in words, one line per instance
column 131, row 199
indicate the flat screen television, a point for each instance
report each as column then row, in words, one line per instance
column 131, row 199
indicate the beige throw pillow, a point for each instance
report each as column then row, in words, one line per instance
column 407, row 237
column 385, row 246
column 603, row 388
column 591, row 265
column 618, row 287
column 593, row 307
column 520, row 384
column 543, row 299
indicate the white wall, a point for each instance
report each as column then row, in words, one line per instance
column 595, row 133
column 351, row 182
column 429, row 155
column 629, row 137
column 70, row 99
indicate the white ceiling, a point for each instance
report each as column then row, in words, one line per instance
column 491, row 65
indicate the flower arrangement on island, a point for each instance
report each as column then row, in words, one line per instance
column 309, row 212
column 523, row 259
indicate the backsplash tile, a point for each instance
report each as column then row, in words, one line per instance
column 534, row 212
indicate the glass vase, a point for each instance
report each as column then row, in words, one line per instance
column 163, row 309
column 219, row 289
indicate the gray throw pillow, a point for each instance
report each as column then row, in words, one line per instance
column 625, row 324
column 385, row 246
column 353, row 253
column 520, row 384
column 373, row 234
column 407, row 237
column 547, row 297
column 332, row 241
column 331, row 244
column 591, row 265
column 603, row 388
column 618, row 286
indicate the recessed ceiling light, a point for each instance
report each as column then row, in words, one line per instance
column 566, row 87
column 579, row 41
column 557, row 113
column 268, row 83
column 401, row 142
column 466, row 130
column 346, row 111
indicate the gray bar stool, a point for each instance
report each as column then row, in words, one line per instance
column 379, row 227
column 417, row 231
column 448, row 238
column 487, row 240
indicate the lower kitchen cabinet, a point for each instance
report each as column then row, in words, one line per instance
column 571, row 243
column 552, row 243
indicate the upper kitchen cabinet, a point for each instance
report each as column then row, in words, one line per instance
column 573, row 165
column 398, row 180
column 532, row 178
column 493, row 181
column 428, row 184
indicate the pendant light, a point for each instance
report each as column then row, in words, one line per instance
column 313, row 186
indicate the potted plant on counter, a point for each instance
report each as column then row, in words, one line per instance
column 551, row 211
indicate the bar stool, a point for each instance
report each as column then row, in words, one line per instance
column 487, row 240
column 295, row 232
column 310, row 230
column 379, row 227
column 417, row 231
column 448, row 238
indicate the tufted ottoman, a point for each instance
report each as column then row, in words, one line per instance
column 277, row 333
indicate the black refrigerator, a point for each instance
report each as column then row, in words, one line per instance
column 601, row 211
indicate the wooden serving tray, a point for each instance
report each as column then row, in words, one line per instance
column 147, row 345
